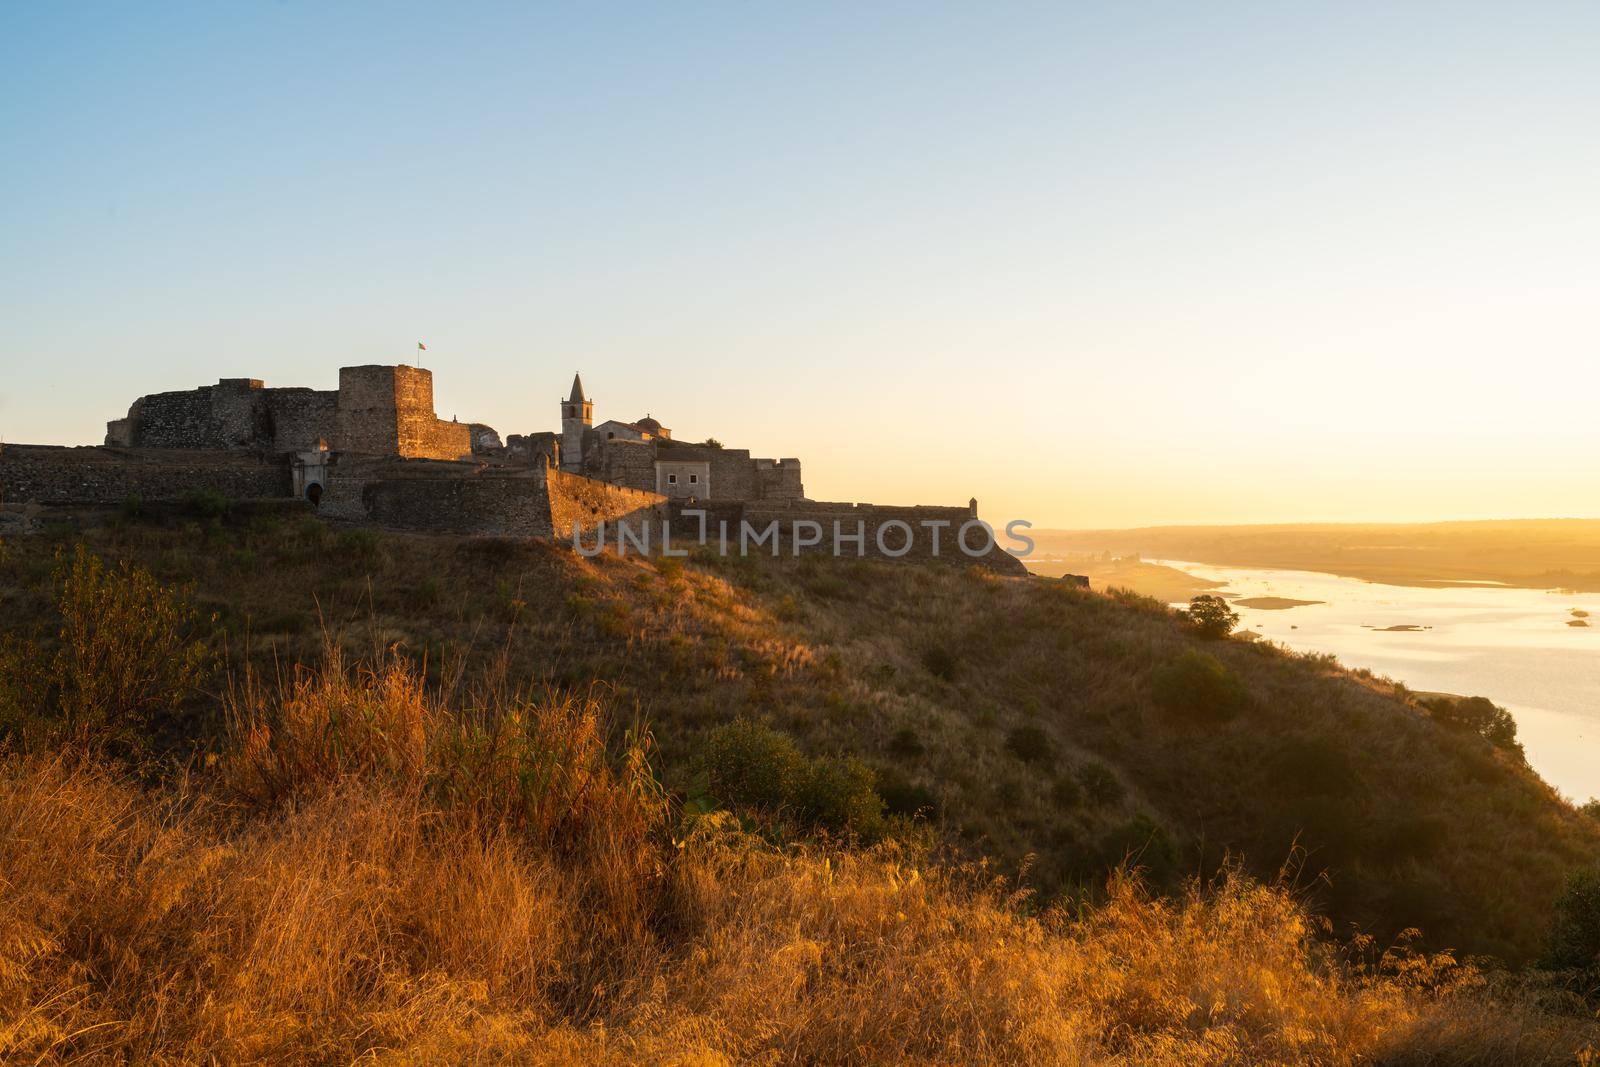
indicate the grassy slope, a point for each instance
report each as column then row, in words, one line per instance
column 1417, row 827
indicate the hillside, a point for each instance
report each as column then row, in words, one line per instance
column 1019, row 716
column 450, row 798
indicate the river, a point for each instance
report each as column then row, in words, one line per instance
column 1514, row 646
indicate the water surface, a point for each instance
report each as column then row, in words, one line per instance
column 1511, row 645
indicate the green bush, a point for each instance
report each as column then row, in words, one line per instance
column 127, row 652
column 205, row 504
column 940, row 662
column 1100, row 784
column 1065, row 792
column 1477, row 715
column 1145, row 844
column 748, row 763
column 1212, row 616
column 901, row 796
column 1592, row 808
column 1574, row 942
column 1030, row 744
column 1198, row 688
column 359, row 546
column 839, row 795
column 906, row 743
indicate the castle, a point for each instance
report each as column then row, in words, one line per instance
column 373, row 451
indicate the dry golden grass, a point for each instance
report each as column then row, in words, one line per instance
column 1414, row 825
column 373, row 871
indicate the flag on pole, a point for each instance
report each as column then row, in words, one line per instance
column 421, row 347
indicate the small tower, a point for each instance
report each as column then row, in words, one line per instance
column 577, row 415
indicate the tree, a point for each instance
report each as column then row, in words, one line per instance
column 1212, row 616
column 1575, row 931
column 1477, row 715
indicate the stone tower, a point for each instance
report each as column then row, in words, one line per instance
column 577, row 415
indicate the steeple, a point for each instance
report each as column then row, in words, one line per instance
column 577, row 415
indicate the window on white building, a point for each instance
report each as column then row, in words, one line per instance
column 693, row 478
column 672, row 479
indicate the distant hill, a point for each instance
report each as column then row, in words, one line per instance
column 1530, row 553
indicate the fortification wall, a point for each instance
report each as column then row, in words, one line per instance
column 47, row 474
column 778, row 479
column 226, row 415
column 631, row 464
column 846, row 521
column 299, row 418
column 514, row 506
column 576, row 501
column 389, row 411
column 472, row 498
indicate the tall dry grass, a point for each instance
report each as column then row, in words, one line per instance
column 373, row 870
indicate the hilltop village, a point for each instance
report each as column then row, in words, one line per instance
column 374, row 452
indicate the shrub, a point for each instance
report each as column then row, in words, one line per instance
column 906, row 743
column 360, row 546
column 940, row 662
column 205, row 504
column 1212, row 616
column 1591, row 808
column 126, row 654
column 1477, row 715
column 1145, row 844
column 1030, row 744
column 1574, row 942
column 748, row 763
column 1101, row 784
column 1065, row 792
column 901, row 796
column 1197, row 687
column 839, row 795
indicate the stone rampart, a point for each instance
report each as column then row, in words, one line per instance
column 871, row 531
column 46, row 474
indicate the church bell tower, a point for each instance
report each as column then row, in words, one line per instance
column 577, row 415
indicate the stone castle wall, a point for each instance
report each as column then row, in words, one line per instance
column 474, row 498
column 301, row 418
column 631, row 464
column 847, row 520
column 376, row 410
column 583, row 503
column 389, row 411
column 91, row 475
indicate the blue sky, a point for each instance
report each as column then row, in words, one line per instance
column 1094, row 264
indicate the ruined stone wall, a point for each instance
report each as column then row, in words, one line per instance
column 576, row 501
column 48, row 474
column 300, row 418
column 226, row 415
column 534, row 449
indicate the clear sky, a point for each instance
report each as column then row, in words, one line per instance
column 1096, row 264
